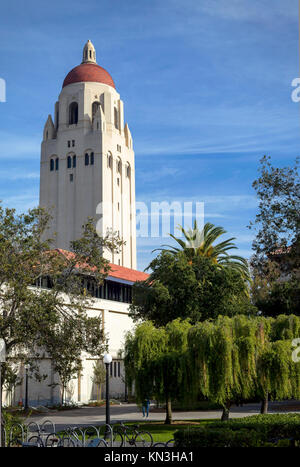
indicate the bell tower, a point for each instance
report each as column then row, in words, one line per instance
column 87, row 161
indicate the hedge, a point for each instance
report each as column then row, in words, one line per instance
column 253, row 431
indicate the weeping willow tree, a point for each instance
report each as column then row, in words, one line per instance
column 238, row 358
column 278, row 375
column 155, row 362
column 226, row 360
column 222, row 360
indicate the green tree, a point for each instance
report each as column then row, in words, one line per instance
column 276, row 262
column 179, row 287
column 154, row 362
column 99, row 377
column 30, row 314
column 202, row 243
column 278, row 221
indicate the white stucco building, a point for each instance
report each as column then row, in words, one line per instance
column 87, row 162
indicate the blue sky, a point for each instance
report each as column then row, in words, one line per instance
column 206, row 86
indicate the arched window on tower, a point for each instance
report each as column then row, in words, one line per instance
column 73, row 113
column 92, row 158
column 74, row 161
column 109, row 161
column 116, row 118
column 86, row 159
column 57, row 163
column 95, row 107
column 128, row 170
column 119, row 166
column 51, row 165
column 69, row 162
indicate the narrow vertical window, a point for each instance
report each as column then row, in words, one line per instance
column 73, row 113
column 74, row 161
column 92, row 158
column 69, row 162
column 86, row 159
column 56, row 163
column 51, row 165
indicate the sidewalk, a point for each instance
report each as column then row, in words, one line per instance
column 130, row 413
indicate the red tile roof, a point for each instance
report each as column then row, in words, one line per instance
column 127, row 274
column 88, row 72
column 116, row 271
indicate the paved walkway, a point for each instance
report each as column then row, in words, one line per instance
column 130, row 412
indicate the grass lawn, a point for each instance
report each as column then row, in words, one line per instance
column 163, row 433
column 159, row 431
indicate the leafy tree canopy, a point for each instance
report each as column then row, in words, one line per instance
column 180, row 287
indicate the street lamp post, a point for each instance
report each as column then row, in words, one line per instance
column 107, row 359
column 26, row 386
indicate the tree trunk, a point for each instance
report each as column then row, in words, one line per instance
column 62, row 394
column 264, row 405
column 100, row 392
column 225, row 414
column 168, row 420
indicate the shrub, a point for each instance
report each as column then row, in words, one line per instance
column 253, row 431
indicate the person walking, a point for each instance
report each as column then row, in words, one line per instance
column 145, row 407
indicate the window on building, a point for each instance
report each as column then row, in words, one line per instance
column 73, row 113
column 74, row 161
column 118, row 148
column 56, row 163
column 69, row 162
column 92, row 158
column 51, row 165
column 118, row 181
column 95, row 107
column 71, row 177
column 119, row 166
column 86, row 159
column 128, row 171
column 109, row 161
column 69, row 144
column 116, row 118
column 73, row 142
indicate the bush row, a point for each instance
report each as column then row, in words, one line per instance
column 254, row 431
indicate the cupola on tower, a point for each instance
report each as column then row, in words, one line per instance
column 87, row 161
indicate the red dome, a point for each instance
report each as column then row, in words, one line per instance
column 88, row 72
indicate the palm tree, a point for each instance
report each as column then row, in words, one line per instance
column 200, row 243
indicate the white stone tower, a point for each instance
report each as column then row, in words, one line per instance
column 87, row 158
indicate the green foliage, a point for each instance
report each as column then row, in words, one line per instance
column 278, row 220
column 216, row 438
column 154, row 360
column 99, row 376
column 254, row 431
column 224, row 361
column 195, row 288
column 276, row 263
column 201, row 243
column 35, row 320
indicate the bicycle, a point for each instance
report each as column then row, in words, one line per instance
column 129, row 434
column 72, row 439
